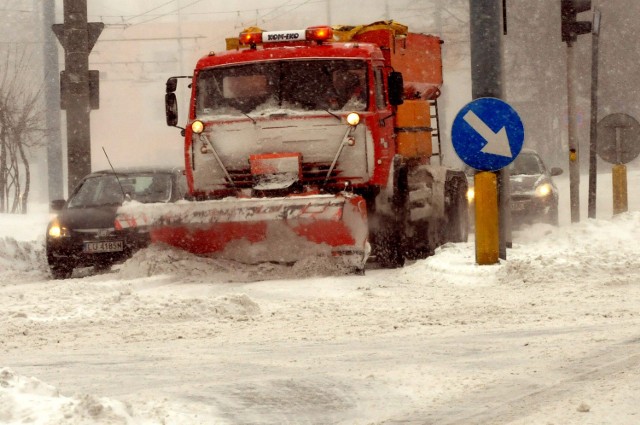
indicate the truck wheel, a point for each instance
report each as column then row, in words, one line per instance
column 421, row 231
column 421, row 243
column 390, row 239
column 458, row 212
column 389, row 245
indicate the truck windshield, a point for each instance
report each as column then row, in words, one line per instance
column 293, row 85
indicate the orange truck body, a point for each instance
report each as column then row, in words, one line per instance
column 267, row 145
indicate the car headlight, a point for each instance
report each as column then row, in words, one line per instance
column 543, row 190
column 57, row 231
column 471, row 194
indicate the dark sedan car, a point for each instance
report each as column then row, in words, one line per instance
column 534, row 195
column 83, row 233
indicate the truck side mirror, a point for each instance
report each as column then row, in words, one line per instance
column 171, row 109
column 396, row 88
column 172, row 84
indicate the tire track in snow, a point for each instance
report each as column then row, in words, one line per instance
column 615, row 359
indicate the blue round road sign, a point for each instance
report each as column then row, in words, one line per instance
column 487, row 134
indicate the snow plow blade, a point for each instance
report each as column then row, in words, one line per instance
column 254, row 230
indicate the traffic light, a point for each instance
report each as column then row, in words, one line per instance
column 571, row 27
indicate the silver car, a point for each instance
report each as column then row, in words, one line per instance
column 534, row 195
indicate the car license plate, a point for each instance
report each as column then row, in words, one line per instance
column 103, row 246
column 518, row 205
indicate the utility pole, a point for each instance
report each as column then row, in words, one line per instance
column 574, row 163
column 593, row 137
column 79, row 87
column 570, row 30
column 52, row 99
column 486, row 81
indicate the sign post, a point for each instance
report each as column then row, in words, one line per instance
column 486, row 217
column 593, row 133
column 570, row 29
column 487, row 134
column 79, row 86
column 486, row 35
column 619, row 143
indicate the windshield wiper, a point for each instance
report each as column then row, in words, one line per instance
column 332, row 114
column 248, row 116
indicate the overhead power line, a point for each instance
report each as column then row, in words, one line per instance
column 169, row 13
column 276, row 8
column 150, row 10
column 126, row 20
column 291, row 10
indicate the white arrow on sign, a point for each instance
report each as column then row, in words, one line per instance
column 497, row 143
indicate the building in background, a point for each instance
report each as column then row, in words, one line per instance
column 144, row 43
column 141, row 47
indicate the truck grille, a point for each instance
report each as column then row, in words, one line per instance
column 312, row 174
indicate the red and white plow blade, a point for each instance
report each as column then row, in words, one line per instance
column 259, row 229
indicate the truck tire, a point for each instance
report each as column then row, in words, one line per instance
column 390, row 244
column 458, row 214
column 390, row 241
column 414, row 232
column 421, row 234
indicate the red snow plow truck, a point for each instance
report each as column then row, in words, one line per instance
column 313, row 142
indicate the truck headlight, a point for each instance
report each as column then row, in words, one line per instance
column 543, row 190
column 353, row 119
column 197, row 126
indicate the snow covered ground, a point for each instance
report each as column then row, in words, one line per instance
column 549, row 336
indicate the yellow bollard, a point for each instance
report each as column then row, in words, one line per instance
column 487, row 231
column 619, row 179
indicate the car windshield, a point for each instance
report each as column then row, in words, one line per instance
column 107, row 190
column 526, row 163
column 298, row 85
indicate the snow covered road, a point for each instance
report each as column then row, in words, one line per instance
column 550, row 336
